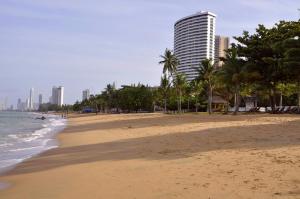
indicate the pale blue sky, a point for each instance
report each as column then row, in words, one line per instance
column 88, row 43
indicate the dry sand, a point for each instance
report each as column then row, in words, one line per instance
column 152, row 156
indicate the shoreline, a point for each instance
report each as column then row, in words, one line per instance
column 51, row 142
column 165, row 156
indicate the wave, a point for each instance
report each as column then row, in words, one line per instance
column 21, row 146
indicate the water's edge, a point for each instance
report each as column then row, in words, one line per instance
column 53, row 143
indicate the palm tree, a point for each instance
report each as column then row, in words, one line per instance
column 233, row 74
column 169, row 62
column 110, row 93
column 179, row 83
column 165, row 87
column 196, row 90
column 206, row 73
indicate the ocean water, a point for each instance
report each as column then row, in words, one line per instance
column 23, row 136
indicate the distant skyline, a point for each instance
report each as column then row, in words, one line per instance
column 88, row 44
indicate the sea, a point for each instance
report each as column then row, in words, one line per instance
column 23, row 135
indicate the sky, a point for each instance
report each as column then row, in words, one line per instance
column 86, row 44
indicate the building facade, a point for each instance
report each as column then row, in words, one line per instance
column 221, row 45
column 40, row 99
column 60, row 96
column 194, row 41
column 85, row 94
column 57, row 95
column 31, row 99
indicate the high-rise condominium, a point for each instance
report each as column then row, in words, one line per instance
column 85, row 94
column 19, row 104
column 57, row 95
column 54, row 97
column 221, row 45
column 194, row 41
column 60, row 96
column 27, row 104
column 31, row 98
column 40, row 99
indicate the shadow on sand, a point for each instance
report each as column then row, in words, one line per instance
column 162, row 147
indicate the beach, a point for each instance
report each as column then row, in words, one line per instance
column 147, row 156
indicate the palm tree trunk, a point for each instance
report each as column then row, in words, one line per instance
column 272, row 100
column 237, row 100
column 165, row 102
column 280, row 103
column 298, row 97
column 178, row 104
column 210, row 100
column 180, row 101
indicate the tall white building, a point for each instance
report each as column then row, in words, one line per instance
column 57, row 95
column 31, row 99
column 194, row 41
column 85, row 94
column 60, row 96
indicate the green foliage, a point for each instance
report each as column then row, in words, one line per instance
column 169, row 62
column 180, row 85
column 265, row 65
column 268, row 55
column 207, row 74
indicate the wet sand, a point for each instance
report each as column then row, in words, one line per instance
column 152, row 156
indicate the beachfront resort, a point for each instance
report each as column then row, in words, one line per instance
column 223, row 122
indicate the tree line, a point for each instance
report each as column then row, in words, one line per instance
column 264, row 65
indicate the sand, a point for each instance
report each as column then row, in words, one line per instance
column 153, row 156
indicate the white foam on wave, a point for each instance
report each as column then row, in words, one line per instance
column 24, row 149
column 6, row 144
column 10, row 162
column 14, row 136
column 31, row 144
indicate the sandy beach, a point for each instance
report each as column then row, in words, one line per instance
column 152, row 156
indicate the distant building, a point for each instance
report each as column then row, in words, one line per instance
column 60, row 96
column 221, row 45
column 57, row 95
column 194, row 41
column 5, row 104
column 40, row 99
column 85, row 94
column 31, row 99
column 27, row 104
column 19, row 105
column 23, row 106
column 54, row 97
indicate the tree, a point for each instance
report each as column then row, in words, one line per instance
column 292, row 60
column 264, row 56
column 286, row 89
column 196, row 89
column 206, row 74
column 232, row 73
column 179, row 83
column 169, row 62
column 164, row 88
column 109, row 94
